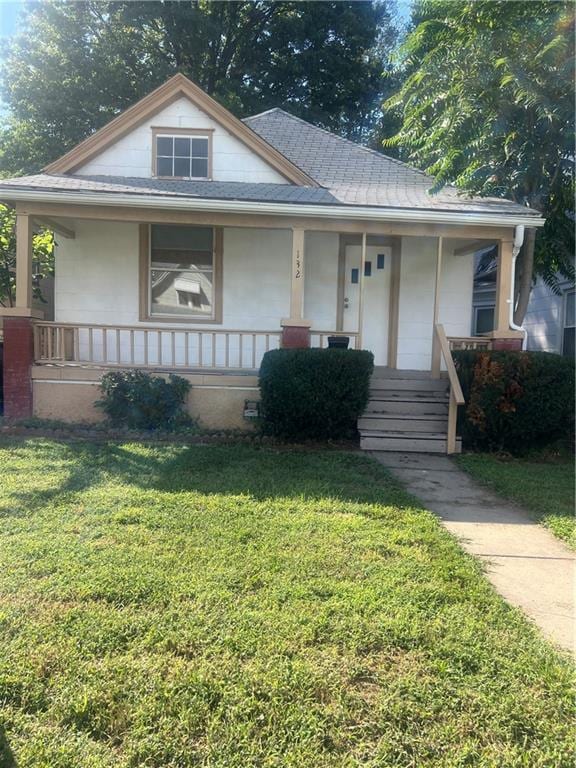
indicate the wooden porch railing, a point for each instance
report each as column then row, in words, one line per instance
column 456, row 394
column 151, row 347
column 469, row 342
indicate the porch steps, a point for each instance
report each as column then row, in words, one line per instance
column 407, row 412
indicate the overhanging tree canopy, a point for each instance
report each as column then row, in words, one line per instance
column 79, row 64
column 488, row 104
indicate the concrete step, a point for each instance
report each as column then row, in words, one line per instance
column 408, row 397
column 414, row 443
column 404, row 423
column 412, row 385
column 407, row 407
column 382, row 372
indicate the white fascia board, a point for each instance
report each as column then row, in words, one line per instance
column 344, row 212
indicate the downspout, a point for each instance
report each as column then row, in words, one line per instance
column 518, row 241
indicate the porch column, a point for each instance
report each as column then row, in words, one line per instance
column 23, row 261
column 503, row 336
column 295, row 329
column 18, row 330
column 435, row 367
column 503, row 287
column 361, row 290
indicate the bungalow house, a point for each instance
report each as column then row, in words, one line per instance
column 191, row 241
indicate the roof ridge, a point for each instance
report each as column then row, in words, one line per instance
column 342, row 138
column 266, row 112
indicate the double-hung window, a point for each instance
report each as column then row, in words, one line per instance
column 181, row 156
column 183, row 272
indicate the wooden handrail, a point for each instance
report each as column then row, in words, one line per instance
column 441, row 348
column 449, row 362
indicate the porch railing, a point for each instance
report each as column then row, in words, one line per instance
column 469, row 342
column 151, row 347
column 456, row 394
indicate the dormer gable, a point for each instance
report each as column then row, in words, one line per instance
column 178, row 131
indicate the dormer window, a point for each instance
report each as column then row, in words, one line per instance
column 182, row 153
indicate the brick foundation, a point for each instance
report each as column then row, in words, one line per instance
column 18, row 359
column 507, row 345
column 295, row 337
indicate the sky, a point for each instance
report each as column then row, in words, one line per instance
column 8, row 12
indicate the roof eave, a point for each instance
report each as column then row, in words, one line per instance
column 343, row 211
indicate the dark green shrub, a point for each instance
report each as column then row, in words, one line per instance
column 515, row 401
column 314, row 393
column 138, row 400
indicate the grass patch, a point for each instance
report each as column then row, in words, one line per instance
column 543, row 484
column 242, row 607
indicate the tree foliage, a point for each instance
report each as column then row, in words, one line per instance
column 78, row 64
column 487, row 103
column 43, row 257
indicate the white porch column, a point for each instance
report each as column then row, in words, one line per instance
column 23, row 261
column 361, row 291
column 297, row 281
column 296, row 329
column 503, row 288
column 435, row 343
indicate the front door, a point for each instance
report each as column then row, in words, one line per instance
column 376, row 295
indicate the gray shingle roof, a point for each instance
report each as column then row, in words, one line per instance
column 212, row 190
column 348, row 174
column 358, row 175
column 329, row 159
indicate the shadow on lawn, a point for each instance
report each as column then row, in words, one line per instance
column 6, row 755
column 259, row 472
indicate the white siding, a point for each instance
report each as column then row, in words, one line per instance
column 97, row 274
column 257, row 267
column 543, row 319
column 416, row 308
column 97, row 277
column 321, row 279
column 456, row 289
column 132, row 154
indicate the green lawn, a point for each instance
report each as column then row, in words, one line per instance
column 241, row 607
column 544, row 485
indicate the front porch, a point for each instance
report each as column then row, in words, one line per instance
column 401, row 290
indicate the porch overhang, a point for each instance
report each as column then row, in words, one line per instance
column 343, row 212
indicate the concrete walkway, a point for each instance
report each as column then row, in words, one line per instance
column 528, row 566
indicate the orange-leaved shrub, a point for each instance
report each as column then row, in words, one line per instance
column 515, row 401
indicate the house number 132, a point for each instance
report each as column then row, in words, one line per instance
column 298, row 265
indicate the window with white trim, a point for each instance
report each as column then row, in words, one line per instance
column 181, row 272
column 182, row 157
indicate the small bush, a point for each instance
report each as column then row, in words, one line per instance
column 314, row 394
column 515, row 401
column 140, row 401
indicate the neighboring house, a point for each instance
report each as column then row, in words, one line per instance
column 191, row 241
column 549, row 319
